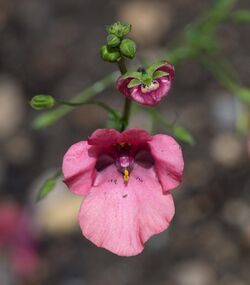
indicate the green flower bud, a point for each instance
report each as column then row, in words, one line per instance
column 113, row 41
column 109, row 54
column 40, row 102
column 119, row 29
column 128, row 48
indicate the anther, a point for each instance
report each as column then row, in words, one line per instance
column 126, row 175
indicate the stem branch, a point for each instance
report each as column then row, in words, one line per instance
column 128, row 102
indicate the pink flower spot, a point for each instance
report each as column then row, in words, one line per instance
column 125, row 179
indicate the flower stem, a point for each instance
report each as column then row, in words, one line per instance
column 128, row 102
column 89, row 102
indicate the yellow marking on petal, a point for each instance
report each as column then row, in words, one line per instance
column 126, row 175
column 122, row 144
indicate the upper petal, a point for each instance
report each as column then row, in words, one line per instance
column 122, row 85
column 136, row 136
column 169, row 68
column 121, row 217
column 104, row 137
column 79, row 168
column 168, row 158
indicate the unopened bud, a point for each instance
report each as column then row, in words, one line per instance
column 119, row 29
column 40, row 102
column 128, row 48
column 113, row 41
column 109, row 54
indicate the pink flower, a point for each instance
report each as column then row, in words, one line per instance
column 149, row 86
column 17, row 239
column 125, row 179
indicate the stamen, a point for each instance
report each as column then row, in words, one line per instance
column 126, row 175
column 154, row 84
column 122, row 144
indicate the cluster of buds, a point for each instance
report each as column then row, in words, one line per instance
column 117, row 46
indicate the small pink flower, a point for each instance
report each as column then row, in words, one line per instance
column 125, row 179
column 149, row 86
column 17, row 239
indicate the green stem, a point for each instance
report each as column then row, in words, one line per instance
column 128, row 102
column 93, row 102
column 50, row 117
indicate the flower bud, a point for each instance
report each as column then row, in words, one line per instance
column 128, row 48
column 119, row 29
column 40, row 102
column 109, row 54
column 113, row 41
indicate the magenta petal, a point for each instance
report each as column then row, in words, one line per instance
column 169, row 162
column 151, row 98
column 135, row 136
column 79, row 168
column 122, row 217
column 104, row 137
column 122, row 85
column 169, row 68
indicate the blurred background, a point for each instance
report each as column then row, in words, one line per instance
column 52, row 47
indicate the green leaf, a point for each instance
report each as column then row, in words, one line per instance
column 243, row 122
column 179, row 133
column 134, row 82
column 159, row 73
column 113, row 122
column 132, row 74
column 153, row 67
column 242, row 92
column 225, row 76
column 241, row 16
column 183, row 135
column 48, row 186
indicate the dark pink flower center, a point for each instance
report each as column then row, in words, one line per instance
column 124, row 159
column 124, row 155
column 154, row 85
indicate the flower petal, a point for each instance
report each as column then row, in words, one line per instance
column 121, row 217
column 104, row 137
column 169, row 162
column 150, row 98
column 169, row 68
column 79, row 168
column 153, row 97
column 136, row 136
column 122, row 85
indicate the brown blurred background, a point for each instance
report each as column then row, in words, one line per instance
column 52, row 47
